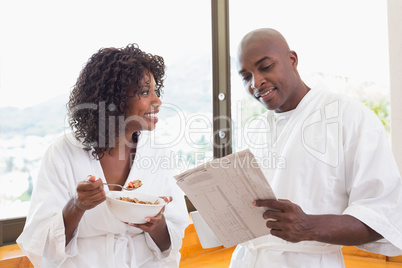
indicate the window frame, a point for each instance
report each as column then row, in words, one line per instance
column 10, row 229
column 221, row 100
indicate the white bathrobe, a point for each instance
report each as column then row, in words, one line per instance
column 100, row 239
column 331, row 156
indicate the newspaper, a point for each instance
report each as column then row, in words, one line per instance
column 223, row 190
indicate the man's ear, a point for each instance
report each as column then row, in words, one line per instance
column 293, row 59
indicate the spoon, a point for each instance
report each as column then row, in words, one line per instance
column 113, row 184
column 123, row 188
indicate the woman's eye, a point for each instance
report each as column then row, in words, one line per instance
column 245, row 78
column 145, row 92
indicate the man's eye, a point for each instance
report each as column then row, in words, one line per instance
column 267, row 67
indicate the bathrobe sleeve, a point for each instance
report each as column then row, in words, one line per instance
column 44, row 233
column 373, row 182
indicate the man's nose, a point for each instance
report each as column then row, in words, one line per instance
column 257, row 81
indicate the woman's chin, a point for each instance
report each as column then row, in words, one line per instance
column 150, row 127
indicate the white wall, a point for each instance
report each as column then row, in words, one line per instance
column 395, row 55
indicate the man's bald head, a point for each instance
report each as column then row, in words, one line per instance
column 266, row 35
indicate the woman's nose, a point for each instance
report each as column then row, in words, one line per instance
column 156, row 102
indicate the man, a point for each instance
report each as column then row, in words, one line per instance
column 340, row 184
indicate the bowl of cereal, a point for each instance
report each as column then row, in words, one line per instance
column 133, row 207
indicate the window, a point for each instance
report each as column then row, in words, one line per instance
column 46, row 43
column 343, row 44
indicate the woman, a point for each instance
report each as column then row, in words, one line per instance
column 69, row 225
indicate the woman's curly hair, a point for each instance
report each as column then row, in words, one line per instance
column 102, row 90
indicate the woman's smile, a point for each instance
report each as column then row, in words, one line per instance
column 152, row 116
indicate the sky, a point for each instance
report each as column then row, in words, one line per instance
column 46, row 43
column 345, row 37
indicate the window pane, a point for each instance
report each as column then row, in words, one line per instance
column 46, row 43
column 343, row 44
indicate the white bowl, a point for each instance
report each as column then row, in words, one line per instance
column 133, row 212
